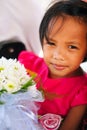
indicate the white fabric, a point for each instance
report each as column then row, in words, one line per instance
column 20, row 20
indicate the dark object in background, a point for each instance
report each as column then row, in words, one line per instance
column 11, row 49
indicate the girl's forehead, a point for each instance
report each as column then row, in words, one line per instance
column 60, row 23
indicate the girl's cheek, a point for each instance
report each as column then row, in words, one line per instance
column 45, row 50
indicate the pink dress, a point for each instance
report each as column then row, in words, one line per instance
column 61, row 93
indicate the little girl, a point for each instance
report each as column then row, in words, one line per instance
column 63, row 36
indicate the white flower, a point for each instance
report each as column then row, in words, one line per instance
column 13, row 75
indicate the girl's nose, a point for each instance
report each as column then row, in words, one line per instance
column 59, row 54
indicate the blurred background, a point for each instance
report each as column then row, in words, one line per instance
column 19, row 26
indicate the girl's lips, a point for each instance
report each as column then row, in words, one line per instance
column 59, row 67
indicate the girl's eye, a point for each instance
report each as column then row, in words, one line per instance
column 51, row 43
column 73, row 47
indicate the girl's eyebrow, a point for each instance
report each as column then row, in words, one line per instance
column 73, row 42
column 51, row 39
column 67, row 42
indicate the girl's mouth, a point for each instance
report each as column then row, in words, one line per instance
column 59, row 67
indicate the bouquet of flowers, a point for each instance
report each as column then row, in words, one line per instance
column 18, row 95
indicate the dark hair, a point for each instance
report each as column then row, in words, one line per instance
column 77, row 8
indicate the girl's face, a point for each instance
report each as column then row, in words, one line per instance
column 66, row 48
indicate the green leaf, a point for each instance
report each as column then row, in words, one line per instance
column 3, row 91
column 29, row 83
column 1, row 102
